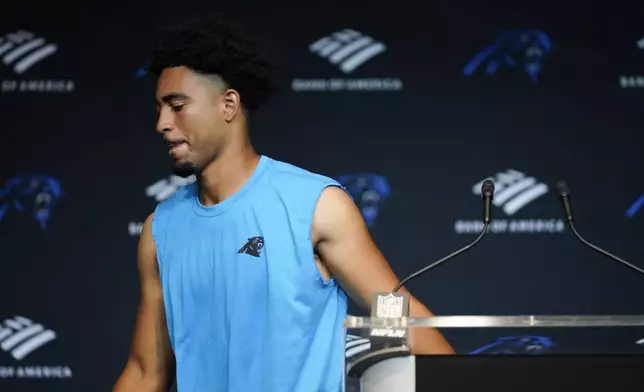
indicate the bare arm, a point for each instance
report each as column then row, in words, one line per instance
column 150, row 366
column 347, row 249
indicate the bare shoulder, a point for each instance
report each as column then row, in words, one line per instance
column 147, row 251
column 147, row 225
column 335, row 213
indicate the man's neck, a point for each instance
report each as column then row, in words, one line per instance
column 227, row 174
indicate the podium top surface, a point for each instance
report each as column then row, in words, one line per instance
column 530, row 321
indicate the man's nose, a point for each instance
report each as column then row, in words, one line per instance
column 164, row 124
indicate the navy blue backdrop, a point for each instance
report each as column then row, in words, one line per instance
column 410, row 107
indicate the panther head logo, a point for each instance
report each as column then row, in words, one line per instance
column 253, row 247
column 525, row 345
column 33, row 194
column 526, row 49
column 369, row 191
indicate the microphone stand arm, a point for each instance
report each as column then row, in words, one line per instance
column 422, row 271
column 600, row 250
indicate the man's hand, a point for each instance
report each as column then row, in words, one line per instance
column 346, row 248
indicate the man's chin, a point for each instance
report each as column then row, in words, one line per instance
column 183, row 169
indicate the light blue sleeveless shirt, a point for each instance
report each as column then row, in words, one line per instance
column 247, row 309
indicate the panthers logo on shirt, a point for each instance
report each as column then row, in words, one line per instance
column 525, row 49
column 34, row 194
column 253, row 247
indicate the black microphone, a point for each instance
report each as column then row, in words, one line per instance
column 564, row 194
column 487, row 193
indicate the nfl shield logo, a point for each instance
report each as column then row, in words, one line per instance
column 389, row 306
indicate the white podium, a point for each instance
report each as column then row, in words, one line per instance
column 380, row 358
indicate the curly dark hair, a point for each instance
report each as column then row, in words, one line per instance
column 218, row 46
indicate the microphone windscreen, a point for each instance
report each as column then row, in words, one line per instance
column 562, row 188
column 487, row 189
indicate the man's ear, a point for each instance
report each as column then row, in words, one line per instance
column 232, row 105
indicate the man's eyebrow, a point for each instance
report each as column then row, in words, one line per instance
column 171, row 97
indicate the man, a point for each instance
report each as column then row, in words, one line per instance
column 244, row 273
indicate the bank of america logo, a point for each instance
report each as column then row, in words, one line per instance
column 633, row 81
column 514, row 190
column 22, row 50
column 20, row 336
column 165, row 188
column 160, row 191
column 348, row 49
